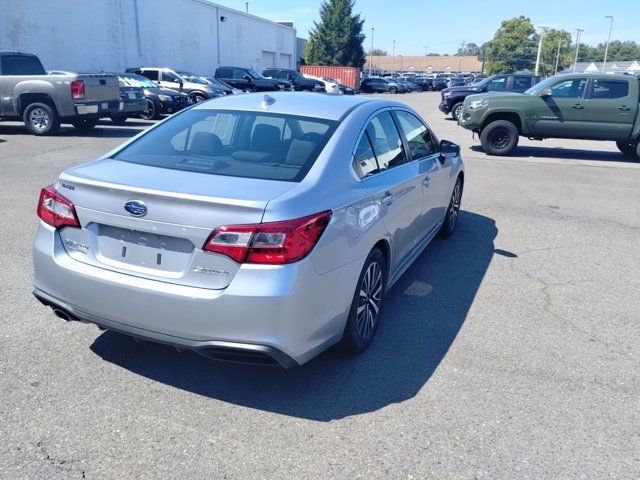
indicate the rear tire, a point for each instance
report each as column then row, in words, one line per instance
column 499, row 137
column 84, row 124
column 197, row 98
column 393, row 90
column 628, row 147
column 456, row 111
column 151, row 112
column 41, row 119
column 367, row 303
column 419, row 89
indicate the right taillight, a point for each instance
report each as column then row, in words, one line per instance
column 272, row 243
column 56, row 210
column 77, row 89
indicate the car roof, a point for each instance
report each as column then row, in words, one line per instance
column 318, row 105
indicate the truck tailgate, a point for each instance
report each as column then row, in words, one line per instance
column 100, row 87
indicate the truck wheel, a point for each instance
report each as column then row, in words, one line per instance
column 84, row 124
column 499, row 137
column 41, row 119
column 456, row 111
column 628, row 147
column 119, row 119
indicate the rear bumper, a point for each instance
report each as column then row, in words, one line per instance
column 133, row 107
column 103, row 109
column 281, row 312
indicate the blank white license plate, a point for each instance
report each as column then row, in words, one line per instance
column 105, row 105
column 132, row 95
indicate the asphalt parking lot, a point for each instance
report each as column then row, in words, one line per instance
column 508, row 351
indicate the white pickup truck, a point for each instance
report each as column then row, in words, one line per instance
column 44, row 101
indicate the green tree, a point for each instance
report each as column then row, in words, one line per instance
column 552, row 39
column 470, row 49
column 378, row 52
column 337, row 39
column 513, row 47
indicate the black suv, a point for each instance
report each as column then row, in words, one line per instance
column 453, row 97
column 424, row 84
column 248, row 79
column 296, row 79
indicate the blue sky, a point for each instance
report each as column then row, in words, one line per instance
column 414, row 24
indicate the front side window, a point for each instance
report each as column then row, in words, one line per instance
column 386, row 141
column 497, row 84
column 569, row 88
column 239, row 74
column 419, row 138
column 234, row 143
column 170, row 77
column 609, row 89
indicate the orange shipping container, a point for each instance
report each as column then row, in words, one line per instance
column 349, row 76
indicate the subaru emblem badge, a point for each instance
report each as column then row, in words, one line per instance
column 136, row 208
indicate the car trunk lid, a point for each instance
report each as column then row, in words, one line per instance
column 165, row 242
column 100, row 87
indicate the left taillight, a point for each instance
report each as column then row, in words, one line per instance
column 272, row 243
column 56, row 210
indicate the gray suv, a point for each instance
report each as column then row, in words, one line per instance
column 44, row 101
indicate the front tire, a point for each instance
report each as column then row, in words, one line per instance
column 151, row 112
column 456, row 111
column 419, row 89
column 197, row 98
column 393, row 90
column 119, row 119
column 453, row 210
column 499, row 137
column 366, row 306
column 84, row 124
column 628, row 147
column 41, row 119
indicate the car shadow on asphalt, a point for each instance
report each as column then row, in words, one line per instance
column 101, row 131
column 565, row 153
column 423, row 314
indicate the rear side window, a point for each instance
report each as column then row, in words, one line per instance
column 151, row 74
column 365, row 160
column 223, row 73
column 386, row 141
column 609, row 89
column 497, row 84
column 21, row 65
column 234, row 143
column 421, row 143
column 520, row 84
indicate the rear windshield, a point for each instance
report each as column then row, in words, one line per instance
column 21, row 65
column 233, row 143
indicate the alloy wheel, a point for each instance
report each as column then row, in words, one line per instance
column 500, row 138
column 369, row 300
column 454, row 206
column 39, row 119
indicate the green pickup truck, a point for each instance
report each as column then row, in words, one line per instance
column 577, row 106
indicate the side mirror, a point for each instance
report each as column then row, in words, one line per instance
column 247, row 78
column 546, row 93
column 448, row 149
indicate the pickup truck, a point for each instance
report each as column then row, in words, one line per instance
column 453, row 97
column 577, row 106
column 44, row 101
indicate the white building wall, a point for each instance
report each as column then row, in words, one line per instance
column 111, row 35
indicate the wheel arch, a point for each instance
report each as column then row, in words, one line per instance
column 512, row 117
column 25, row 99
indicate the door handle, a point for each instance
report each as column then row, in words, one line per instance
column 577, row 106
column 388, row 198
column 624, row 108
column 426, row 181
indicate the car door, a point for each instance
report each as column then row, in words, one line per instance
column 241, row 79
column 610, row 109
column 434, row 170
column 170, row 80
column 562, row 112
column 396, row 187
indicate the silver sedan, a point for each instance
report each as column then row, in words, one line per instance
column 253, row 228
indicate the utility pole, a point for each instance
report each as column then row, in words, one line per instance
column 371, row 52
column 544, row 30
column 462, row 45
column 578, row 32
column 401, row 63
column 393, row 58
column 426, row 49
column 606, row 49
column 555, row 70
column 246, row 5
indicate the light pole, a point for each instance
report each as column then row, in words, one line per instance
column 426, row 49
column 371, row 52
column 400, row 63
column 544, row 30
column 578, row 32
column 555, row 70
column 462, row 45
column 606, row 49
column 393, row 58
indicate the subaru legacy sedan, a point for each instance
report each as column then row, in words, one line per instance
column 252, row 228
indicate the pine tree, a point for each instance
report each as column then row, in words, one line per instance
column 337, row 38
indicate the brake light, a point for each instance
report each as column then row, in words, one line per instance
column 56, row 210
column 270, row 243
column 77, row 89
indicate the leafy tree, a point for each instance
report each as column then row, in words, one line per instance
column 550, row 42
column 378, row 52
column 513, row 47
column 618, row 52
column 470, row 49
column 337, row 38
